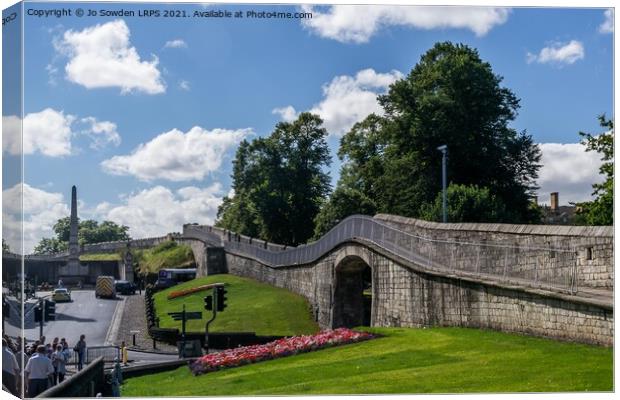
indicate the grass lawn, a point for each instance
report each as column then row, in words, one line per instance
column 252, row 307
column 168, row 254
column 437, row 360
column 100, row 257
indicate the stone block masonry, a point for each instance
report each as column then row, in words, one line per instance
column 403, row 296
column 590, row 248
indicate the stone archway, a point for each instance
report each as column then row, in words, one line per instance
column 352, row 293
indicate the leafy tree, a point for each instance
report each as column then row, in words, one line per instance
column 465, row 203
column 279, row 183
column 89, row 231
column 450, row 97
column 50, row 246
column 362, row 153
column 600, row 211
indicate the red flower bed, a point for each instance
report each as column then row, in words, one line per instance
column 276, row 349
column 179, row 293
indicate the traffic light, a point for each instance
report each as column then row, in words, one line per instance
column 209, row 303
column 221, row 297
column 50, row 310
column 38, row 313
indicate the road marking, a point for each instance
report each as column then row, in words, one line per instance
column 110, row 336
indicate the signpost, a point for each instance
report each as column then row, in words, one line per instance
column 183, row 316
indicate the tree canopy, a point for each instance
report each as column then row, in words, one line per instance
column 453, row 98
column 89, row 231
column 279, row 183
column 600, row 211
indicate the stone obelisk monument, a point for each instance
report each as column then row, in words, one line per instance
column 73, row 263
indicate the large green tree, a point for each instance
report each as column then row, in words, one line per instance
column 89, row 231
column 279, row 183
column 450, row 97
column 600, row 211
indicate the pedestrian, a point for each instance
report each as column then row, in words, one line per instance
column 49, row 350
column 124, row 355
column 38, row 372
column 59, row 362
column 80, row 348
column 60, row 283
column 10, row 368
column 22, row 359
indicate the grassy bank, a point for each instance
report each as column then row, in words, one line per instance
column 167, row 254
column 438, row 360
column 252, row 307
column 100, row 257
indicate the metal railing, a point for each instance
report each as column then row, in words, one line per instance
column 109, row 353
column 522, row 263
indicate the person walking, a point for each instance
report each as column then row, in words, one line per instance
column 38, row 372
column 10, row 368
column 22, row 358
column 59, row 361
column 80, row 348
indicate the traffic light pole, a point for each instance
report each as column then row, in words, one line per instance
column 209, row 322
column 42, row 318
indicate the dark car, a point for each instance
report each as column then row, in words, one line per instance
column 125, row 287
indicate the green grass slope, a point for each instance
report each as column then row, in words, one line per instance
column 167, row 254
column 252, row 307
column 437, row 360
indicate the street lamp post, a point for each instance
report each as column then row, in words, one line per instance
column 444, row 179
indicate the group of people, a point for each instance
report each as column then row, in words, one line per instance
column 45, row 364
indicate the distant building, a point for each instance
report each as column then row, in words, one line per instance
column 555, row 214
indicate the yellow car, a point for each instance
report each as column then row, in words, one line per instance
column 61, row 294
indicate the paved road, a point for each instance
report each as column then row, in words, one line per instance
column 84, row 315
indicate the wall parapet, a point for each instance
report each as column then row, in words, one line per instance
column 520, row 229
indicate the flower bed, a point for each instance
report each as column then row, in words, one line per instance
column 276, row 349
column 179, row 293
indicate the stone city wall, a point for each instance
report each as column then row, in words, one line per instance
column 407, row 297
column 541, row 252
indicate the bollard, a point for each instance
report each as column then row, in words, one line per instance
column 154, row 345
column 134, row 340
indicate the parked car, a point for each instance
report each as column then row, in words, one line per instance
column 61, row 294
column 125, row 287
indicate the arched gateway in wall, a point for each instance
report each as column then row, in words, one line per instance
column 353, row 288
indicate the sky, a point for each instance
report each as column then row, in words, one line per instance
column 144, row 114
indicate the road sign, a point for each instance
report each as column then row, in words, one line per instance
column 177, row 316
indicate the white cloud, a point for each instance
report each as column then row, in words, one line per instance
column 184, row 85
column 41, row 211
column 287, row 113
column 101, row 133
column 357, row 24
column 158, row 210
column 49, row 132
column 175, row 44
column 559, row 53
column 102, row 56
column 608, row 25
column 568, row 169
column 11, row 134
column 348, row 100
column 177, row 156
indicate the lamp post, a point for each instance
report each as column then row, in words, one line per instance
column 444, row 178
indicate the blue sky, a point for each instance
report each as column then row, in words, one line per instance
column 144, row 115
